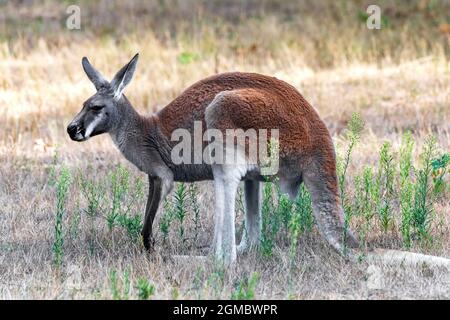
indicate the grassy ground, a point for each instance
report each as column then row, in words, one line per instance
column 397, row 79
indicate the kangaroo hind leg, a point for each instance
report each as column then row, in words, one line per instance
column 253, row 223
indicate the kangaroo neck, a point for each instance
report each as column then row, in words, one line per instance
column 139, row 138
column 128, row 132
column 128, row 124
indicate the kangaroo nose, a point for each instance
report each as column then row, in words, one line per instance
column 72, row 129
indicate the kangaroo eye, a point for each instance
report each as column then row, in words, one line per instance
column 97, row 108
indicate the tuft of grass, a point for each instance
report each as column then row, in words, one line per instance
column 180, row 207
column 363, row 204
column 354, row 130
column 120, row 287
column 94, row 193
column 114, row 285
column 174, row 293
column 145, row 289
column 62, row 188
column 166, row 219
column 270, row 225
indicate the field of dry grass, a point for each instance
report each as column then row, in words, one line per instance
column 396, row 78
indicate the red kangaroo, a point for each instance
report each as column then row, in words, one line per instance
column 222, row 102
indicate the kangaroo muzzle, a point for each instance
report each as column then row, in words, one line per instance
column 76, row 132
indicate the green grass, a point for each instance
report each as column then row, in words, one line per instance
column 119, row 188
column 385, row 186
column 180, row 199
column 145, row 289
column 245, row 288
column 195, row 207
column 406, row 187
column 166, row 219
column 422, row 210
column 120, row 286
column 270, row 221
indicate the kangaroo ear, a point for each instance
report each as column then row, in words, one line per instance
column 123, row 77
column 96, row 78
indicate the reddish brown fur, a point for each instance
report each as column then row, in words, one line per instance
column 258, row 101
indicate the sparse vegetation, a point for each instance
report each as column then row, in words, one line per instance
column 195, row 205
column 382, row 93
column 406, row 187
column 245, row 289
column 120, row 286
column 423, row 209
column 270, row 220
column 385, row 187
column 145, row 289
column 180, row 199
column 62, row 186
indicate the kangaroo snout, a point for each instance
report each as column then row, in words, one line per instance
column 75, row 132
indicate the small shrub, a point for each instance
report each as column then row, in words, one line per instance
column 94, row 193
column 166, row 219
column 294, row 232
column 304, row 208
column 132, row 225
column 363, row 201
column 355, row 128
column 62, row 188
column 119, row 189
column 421, row 214
column 180, row 198
column 217, row 279
column 120, row 288
column 145, row 289
column 270, row 225
column 193, row 195
column 385, row 186
column 187, row 57
column 285, row 210
column 406, row 188
column 440, row 166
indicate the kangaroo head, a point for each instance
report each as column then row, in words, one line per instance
column 100, row 113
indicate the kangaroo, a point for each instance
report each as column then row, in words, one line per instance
column 225, row 101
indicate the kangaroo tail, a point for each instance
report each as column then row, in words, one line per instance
column 321, row 180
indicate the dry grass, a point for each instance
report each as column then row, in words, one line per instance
column 398, row 79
